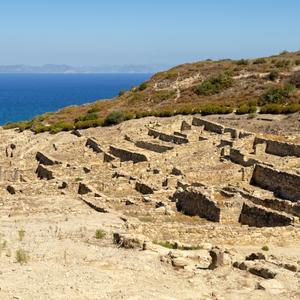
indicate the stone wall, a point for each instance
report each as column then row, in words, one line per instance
column 193, row 202
column 284, row 185
column 168, row 137
column 258, row 216
column 153, row 147
column 44, row 160
column 126, row 155
column 91, row 143
column 209, row 126
column 275, row 204
column 43, row 173
column 237, row 157
column 278, row 148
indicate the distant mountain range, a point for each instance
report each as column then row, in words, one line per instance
column 51, row 68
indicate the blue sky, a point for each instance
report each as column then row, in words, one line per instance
column 95, row 32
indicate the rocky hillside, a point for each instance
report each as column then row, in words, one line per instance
column 207, row 87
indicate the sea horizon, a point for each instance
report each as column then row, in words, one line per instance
column 26, row 95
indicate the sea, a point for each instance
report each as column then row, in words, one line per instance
column 23, row 96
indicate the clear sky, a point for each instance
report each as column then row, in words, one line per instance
column 95, row 32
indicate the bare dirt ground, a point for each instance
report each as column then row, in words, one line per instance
column 49, row 247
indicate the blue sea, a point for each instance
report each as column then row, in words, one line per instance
column 23, row 96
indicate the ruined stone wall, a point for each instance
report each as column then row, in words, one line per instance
column 91, row 143
column 275, row 204
column 237, row 157
column 153, row 147
column 258, row 216
column 193, row 202
column 208, row 126
column 284, row 185
column 279, row 148
column 126, row 155
column 168, row 137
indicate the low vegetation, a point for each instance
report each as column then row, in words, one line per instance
column 22, row 256
column 210, row 87
column 100, row 234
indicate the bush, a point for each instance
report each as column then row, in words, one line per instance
column 114, row 118
column 22, row 256
column 89, row 123
column 291, row 108
column 39, row 128
column 260, row 61
column 246, row 109
column 283, row 63
column 274, row 75
column 121, row 93
column 143, row 86
column 265, row 248
column 242, row 62
column 88, row 117
column 93, row 110
column 61, row 126
column 215, row 84
column 295, row 79
column 271, row 108
column 277, row 94
column 297, row 62
column 213, row 109
column 100, row 234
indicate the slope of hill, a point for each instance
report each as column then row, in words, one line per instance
column 206, row 87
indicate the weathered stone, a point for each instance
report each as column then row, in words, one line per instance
column 76, row 132
column 144, row 188
column 208, row 126
column 92, row 143
column 217, row 258
column 44, row 160
column 168, row 137
column 176, row 172
column 153, row 147
column 284, row 185
column 194, row 202
column 11, row 189
column 83, row 189
column 256, row 256
column 271, row 286
column 63, row 185
column 259, row 216
column 129, row 241
column 86, row 170
column 278, row 148
column 127, row 155
column 185, row 126
column 43, row 173
column 108, row 157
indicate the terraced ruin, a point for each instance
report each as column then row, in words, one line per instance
column 184, row 206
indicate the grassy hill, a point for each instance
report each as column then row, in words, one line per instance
column 271, row 84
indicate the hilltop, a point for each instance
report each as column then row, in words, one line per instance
column 268, row 84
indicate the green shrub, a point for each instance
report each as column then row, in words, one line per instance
column 246, row 109
column 89, row 123
column 291, row 108
column 24, row 125
column 213, row 109
column 271, row 108
column 294, row 79
column 22, row 256
column 21, row 233
column 77, row 179
column 143, row 86
column 265, row 248
column 121, row 93
column 274, row 75
column 100, row 234
column 277, row 94
column 114, row 118
column 242, row 62
column 88, row 117
column 93, row 110
column 61, row 126
column 39, row 128
column 283, row 63
column 259, row 61
column 297, row 62
column 215, row 84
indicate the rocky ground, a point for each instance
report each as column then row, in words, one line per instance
column 156, row 208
